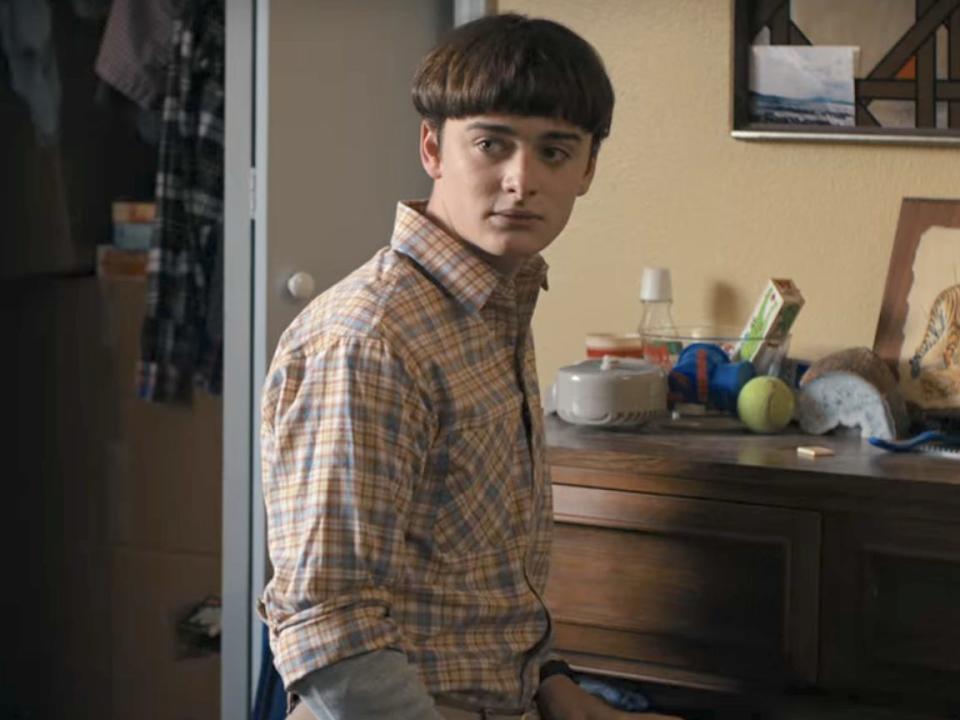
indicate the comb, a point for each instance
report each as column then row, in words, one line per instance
column 930, row 442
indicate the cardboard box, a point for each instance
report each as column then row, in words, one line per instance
column 132, row 236
column 134, row 212
column 771, row 319
column 116, row 263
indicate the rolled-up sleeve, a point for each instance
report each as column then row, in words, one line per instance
column 345, row 431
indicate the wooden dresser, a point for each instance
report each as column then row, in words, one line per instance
column 723, row 561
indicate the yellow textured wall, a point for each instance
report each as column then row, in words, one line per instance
column 674, row 189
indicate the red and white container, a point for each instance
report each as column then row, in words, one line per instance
column 614, row 344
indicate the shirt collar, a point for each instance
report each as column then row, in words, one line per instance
column 460, row 272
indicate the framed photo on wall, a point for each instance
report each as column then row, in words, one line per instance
column 847, row 70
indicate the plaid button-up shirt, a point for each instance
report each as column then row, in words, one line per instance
column 408, row 502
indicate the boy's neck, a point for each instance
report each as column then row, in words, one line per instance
column 506, row 267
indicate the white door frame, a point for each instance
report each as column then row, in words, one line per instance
column 244, row 351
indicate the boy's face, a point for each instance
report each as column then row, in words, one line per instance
column 506, row 184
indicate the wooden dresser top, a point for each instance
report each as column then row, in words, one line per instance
column 738, row 465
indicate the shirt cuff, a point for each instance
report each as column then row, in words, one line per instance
column 304, row 644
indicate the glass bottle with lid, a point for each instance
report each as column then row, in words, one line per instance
column 659, row 335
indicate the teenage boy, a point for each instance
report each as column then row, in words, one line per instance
column 409, row 507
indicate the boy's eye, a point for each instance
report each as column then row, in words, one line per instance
column 490, row 145
column 555, row 154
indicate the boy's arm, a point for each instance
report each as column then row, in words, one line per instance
column 346, row 431
column 372, row 686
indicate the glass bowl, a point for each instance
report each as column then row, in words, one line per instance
column 663, row 346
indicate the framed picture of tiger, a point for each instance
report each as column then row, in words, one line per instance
column 918, row 333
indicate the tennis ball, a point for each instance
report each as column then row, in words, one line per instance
column 765, row 404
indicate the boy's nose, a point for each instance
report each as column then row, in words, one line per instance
column 520, row 176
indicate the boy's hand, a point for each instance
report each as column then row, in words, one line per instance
column 559, row 698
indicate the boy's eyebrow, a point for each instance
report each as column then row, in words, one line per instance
column 507, row 130
column 562, row 135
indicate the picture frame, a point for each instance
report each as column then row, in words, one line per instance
column 922, row 289
column 907, row 87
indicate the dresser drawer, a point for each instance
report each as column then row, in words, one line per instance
column 891, row 621
column 683, row 590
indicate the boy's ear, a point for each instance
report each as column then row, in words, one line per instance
column 588, row 175
column 430, row 149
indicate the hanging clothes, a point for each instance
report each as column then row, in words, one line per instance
column 136, row 49
column 90, row 9
column 182, row 336
column 26, row 37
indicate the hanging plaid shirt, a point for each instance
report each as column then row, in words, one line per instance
column 403, row 466
column 182, row 335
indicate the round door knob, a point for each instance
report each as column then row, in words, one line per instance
column 301, row 285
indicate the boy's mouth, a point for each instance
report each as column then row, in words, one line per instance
column 517, row 215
